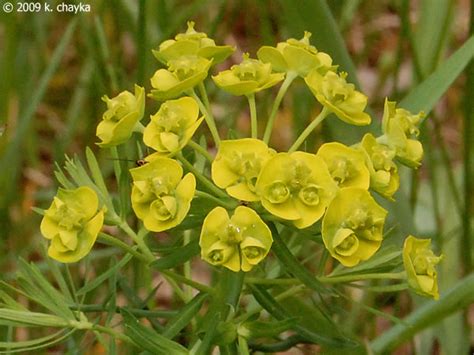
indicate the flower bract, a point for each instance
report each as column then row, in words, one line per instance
column 72, row 223
column 237, row 166
column 420, row 261
column 346, row 165
column 340, row 97
column 248, row 77
column 400, row 128
column 238, row 243
column 192, row 43
column 171, row 128
column 384, row 177
column 161, row 196
column 183, row 74
column 296, row 187
column 297, row 56
column 123, row 113
column 353, row 226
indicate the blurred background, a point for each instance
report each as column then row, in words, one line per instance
column 54, row 68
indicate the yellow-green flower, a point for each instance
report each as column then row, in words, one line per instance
column 123, row 113
column 340, row 97
column 346, row 165
column 161, row 196
column 72, row 223
column 183, row 73
column 296, row 187
column 297, row 56
column 248, row 77
column 353, row 226
column 384, row 176
column 171, row 128
column 192, row 43
column 237, row 166
column 400, row 127
column 237, row 243
column 420, row 261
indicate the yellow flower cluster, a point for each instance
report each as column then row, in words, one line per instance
column 329, row 186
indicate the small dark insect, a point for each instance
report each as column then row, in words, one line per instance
column 139, row 162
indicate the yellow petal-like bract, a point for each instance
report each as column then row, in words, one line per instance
column 161, row 196
column 353, row 226
column 237, row 166
column 400, row 128
column 183, row 74
column 420, row 261
column 72, row 223
column 171, row 128
column 192, row 43
column 123, row 113
column 248, row 77
column 346, row 165
column 296, row 187
column 384, row 177
column 238, row 243
column 340, row 97
column 297, row 56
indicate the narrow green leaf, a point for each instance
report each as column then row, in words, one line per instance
column 258, row 329
column 27, row 318
column 427, row 94
column 33, row 344
column 289, row 262
column 276, row 310
column 185, row 315
column 99, row 280
column 147, row 339
column 178, row 256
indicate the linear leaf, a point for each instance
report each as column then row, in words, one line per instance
column 427, row 94
column 147, row 339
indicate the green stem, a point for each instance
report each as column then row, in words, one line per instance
column 94, row 308
column 280, row 297
column 116, row 160
column 110, row 240
column 138, row 239
column 187, row 268
column 180, row 278
column 322, row 115
column 261, row 281
column 457, row 298
column 203, row 179
column 223, row 203
column 203, row 93
column 201, row 150
column 111, row 332
column 360, row 277
column 276, row 104
column 208, row 117
column 253, row 115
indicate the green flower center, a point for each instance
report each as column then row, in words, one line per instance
column 67, row 217
column 253, row 252
column 168, row 119
column 340, row 169
column 424, row 262
column 158, row 186
column 232, row 234
column 310, row 195
column 359, row 219
column 346, row 242
column 164, row 208
column 184, row 66
column 246, row 71
column 216, row 256
column 277, row 192
column 382, row 158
